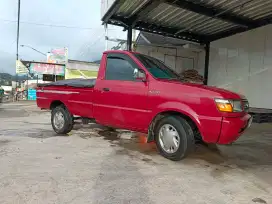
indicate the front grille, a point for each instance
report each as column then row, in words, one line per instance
column 245, row 105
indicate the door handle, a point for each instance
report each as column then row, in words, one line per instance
column 106, row 89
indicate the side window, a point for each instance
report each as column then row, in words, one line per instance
column 120, row 68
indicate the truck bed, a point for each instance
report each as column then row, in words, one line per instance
column 76, row 94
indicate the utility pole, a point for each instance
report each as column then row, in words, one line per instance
column 18, row 29
column 18, row 34
column 106, row 29
column 133, row 39
column 106, row 37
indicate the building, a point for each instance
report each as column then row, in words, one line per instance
column 233, row 38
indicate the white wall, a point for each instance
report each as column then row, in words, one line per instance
column 179, row 59
column 243, row 63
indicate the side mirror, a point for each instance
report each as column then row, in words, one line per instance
column 139, row 74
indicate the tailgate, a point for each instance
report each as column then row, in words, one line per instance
column 42, row 101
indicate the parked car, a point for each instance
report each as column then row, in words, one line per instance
column 140, row 93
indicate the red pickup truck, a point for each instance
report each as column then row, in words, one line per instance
column 140, row 93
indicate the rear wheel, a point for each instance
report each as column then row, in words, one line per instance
column 174, row 137
column 61, row 120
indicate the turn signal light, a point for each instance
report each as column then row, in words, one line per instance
column 224, row 105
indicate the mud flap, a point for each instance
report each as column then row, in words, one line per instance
column 150, row 136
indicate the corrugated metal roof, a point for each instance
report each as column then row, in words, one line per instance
column 251, row 9
column 185, row 20
column 130, row 7
column 191, row 18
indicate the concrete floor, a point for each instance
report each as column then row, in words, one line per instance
column 93, row 165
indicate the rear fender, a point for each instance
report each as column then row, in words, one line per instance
column 56, row 103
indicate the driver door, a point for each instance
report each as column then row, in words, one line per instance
column 122, row 99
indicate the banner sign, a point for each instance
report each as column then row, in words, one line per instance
column 20, row 68
column 39, row 69
column 59, row 55
column 82, row 74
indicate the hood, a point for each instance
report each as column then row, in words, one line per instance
column 207, row 90
column 225, row 93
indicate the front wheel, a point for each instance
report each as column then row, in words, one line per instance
column 61, row 120
column 174, row 137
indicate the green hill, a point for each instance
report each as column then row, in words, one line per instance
column 6, row 79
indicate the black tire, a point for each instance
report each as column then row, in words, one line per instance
column 68, row 120
column 111, row 129
column 85, row 121
column 186, row 134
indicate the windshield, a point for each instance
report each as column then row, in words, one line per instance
column 157, row 68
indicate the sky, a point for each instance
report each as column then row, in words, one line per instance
column 48, row 24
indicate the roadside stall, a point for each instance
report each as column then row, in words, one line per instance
column 41, row 72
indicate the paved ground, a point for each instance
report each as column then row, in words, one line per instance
column 97, row 166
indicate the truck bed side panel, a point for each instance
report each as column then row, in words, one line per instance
column 77, row 100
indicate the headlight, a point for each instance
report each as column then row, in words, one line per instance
column 237, row 105
column 230, row 106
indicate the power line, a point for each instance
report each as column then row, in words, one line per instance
column 96, row 41
column 87, row 46
column 50, row 25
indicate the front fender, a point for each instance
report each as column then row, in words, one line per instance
column 177, row 107
column 171, row 107
column 208, row 126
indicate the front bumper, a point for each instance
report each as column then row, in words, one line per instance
column 232, row 128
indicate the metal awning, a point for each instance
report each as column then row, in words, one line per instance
column 200, row 21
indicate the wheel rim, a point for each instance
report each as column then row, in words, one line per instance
column 169, row 138
column 58, row 120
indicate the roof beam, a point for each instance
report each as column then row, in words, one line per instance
column 111, row 11
column 211, row 12
column 160, row 30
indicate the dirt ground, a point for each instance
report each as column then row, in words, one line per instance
column 94, row 165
